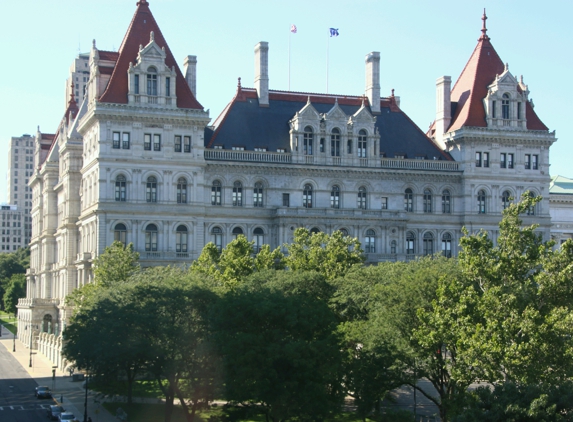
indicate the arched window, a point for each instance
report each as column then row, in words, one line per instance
column 307, row 196
column 361, row 198
column 370, row 241
column 120, row 233
column 505, row 199
column 446, row 202
column 393, row 247
column 408, row 200
column 344, row 232
column 308, row 140
column 237, row 194
column 335, row 197
column 314, row 230
column 182, row 191
column 481, row 201
column 47, row 324
column 151, row 189
column 428, row 243
column 120, row 188
column 217, row 235
column 362, row 143
column 216, row 193
column 181, row 239
column 335, row 143
column 258, row 195
column 410, row 243
column 236, row 232
column 152, row 81
column 151, row 238
column 259, row 238
column 505, row 106
column 427, row 200
column 447, row 245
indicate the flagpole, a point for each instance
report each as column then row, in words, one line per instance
column 289, row 36
column 327, row 54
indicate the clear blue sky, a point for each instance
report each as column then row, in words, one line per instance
column 418, row 41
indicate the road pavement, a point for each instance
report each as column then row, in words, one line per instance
column 18, row 381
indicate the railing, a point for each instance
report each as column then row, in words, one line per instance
column 257, row 156
column 286, row 158
column 333, row 212
column 159, row 255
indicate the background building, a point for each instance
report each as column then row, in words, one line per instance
column 138, row 161
column 77, row 81
column 20, row 169
column 12, row 229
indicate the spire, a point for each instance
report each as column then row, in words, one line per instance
column 239, row 84
column 142, row 3
column 72, row 98
column 484, row 36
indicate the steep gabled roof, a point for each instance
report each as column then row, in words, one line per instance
column 472, row 87
column 137, row 34
column 244, row 123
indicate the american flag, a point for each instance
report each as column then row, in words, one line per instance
column 334, row 32
column 293, row 28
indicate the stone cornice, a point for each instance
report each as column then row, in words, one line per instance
column 503, row 137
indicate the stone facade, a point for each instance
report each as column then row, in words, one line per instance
column 139, row 162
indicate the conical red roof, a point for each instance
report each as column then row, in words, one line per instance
column 137, row 34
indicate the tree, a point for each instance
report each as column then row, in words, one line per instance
column 117, row 263
column 331, row 255
column 15, row 290
column 236, row 261
column 279, row 350
column 10, row 264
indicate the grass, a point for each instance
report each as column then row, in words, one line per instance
column 8, row 321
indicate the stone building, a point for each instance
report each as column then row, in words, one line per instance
column 140, row 161
column 12, row 229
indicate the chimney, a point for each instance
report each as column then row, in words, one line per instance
column 373, row 80
column 262, row 72
column 443, row 107
column 190, row 69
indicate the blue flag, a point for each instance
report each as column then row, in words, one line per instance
column 334, row 32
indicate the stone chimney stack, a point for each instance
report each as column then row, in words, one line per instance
column 262, row 72
column 190, row 69
column 443, row 108
column 373, row 80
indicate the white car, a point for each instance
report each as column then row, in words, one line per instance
column 67, row 416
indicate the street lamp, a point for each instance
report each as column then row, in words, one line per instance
column 86, row 400
column 14, row 344
column 31, row 339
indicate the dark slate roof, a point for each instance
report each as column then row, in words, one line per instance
column 244, row 124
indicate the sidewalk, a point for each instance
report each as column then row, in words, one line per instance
column 63, row 386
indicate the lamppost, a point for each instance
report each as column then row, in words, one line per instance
column 31, row 340
column 14, row 344
column 86, row 400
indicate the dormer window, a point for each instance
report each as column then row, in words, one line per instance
column 518, row 111
column 152, row 81
column 505, row 107
column 167, row 87
column 136, row 84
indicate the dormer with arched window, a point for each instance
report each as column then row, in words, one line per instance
column 150, row 80
column 506, row 101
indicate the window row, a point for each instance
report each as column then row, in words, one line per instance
column 506, row 160
column 151, row 86
column 308, row 143
column 121, row 140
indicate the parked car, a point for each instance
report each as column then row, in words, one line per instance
column 67, row 417
column 43, row 392
column 54, row 412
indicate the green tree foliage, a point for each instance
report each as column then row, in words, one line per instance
column 10, row 264
column 117, row 263
column 236, row 261
column 331, row 255
column 279, row 348
column 15, row 290
column 510, row 402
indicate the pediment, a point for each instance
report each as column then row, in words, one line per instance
column 363, row 116
column 307, row 112
column 336, row 113
column 151, row 51
column 506, row 78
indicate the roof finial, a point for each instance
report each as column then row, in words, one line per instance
column 239, row 84
column 506, row 67
column 144, row 2
column 151, row 36
column 392, row 92
column 72, row 98
column 308, row 99
column 484, row 35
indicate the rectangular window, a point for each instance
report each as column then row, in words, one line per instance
column 238, row 148
column 186, row 144
column 116, row 137
column 384, row 203
column 286, row 199
column 503, row 160
column 167, row 87
column 527, row 161
column 534, row 161
column 509, row 161
column 125, row 140
column 478, row 159
column 518, row 111
column 259, row 149
column 321, row 145
column 136, row 84
column 156, row 142
column 349, row 145
column 147, row 142
column 493, row 107
column 221, row 147
column 281, row 150
column 486, row 159
column 178, row 143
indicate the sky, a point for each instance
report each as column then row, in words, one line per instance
column 418, row 40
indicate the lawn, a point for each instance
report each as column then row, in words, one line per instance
column 8, row 321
